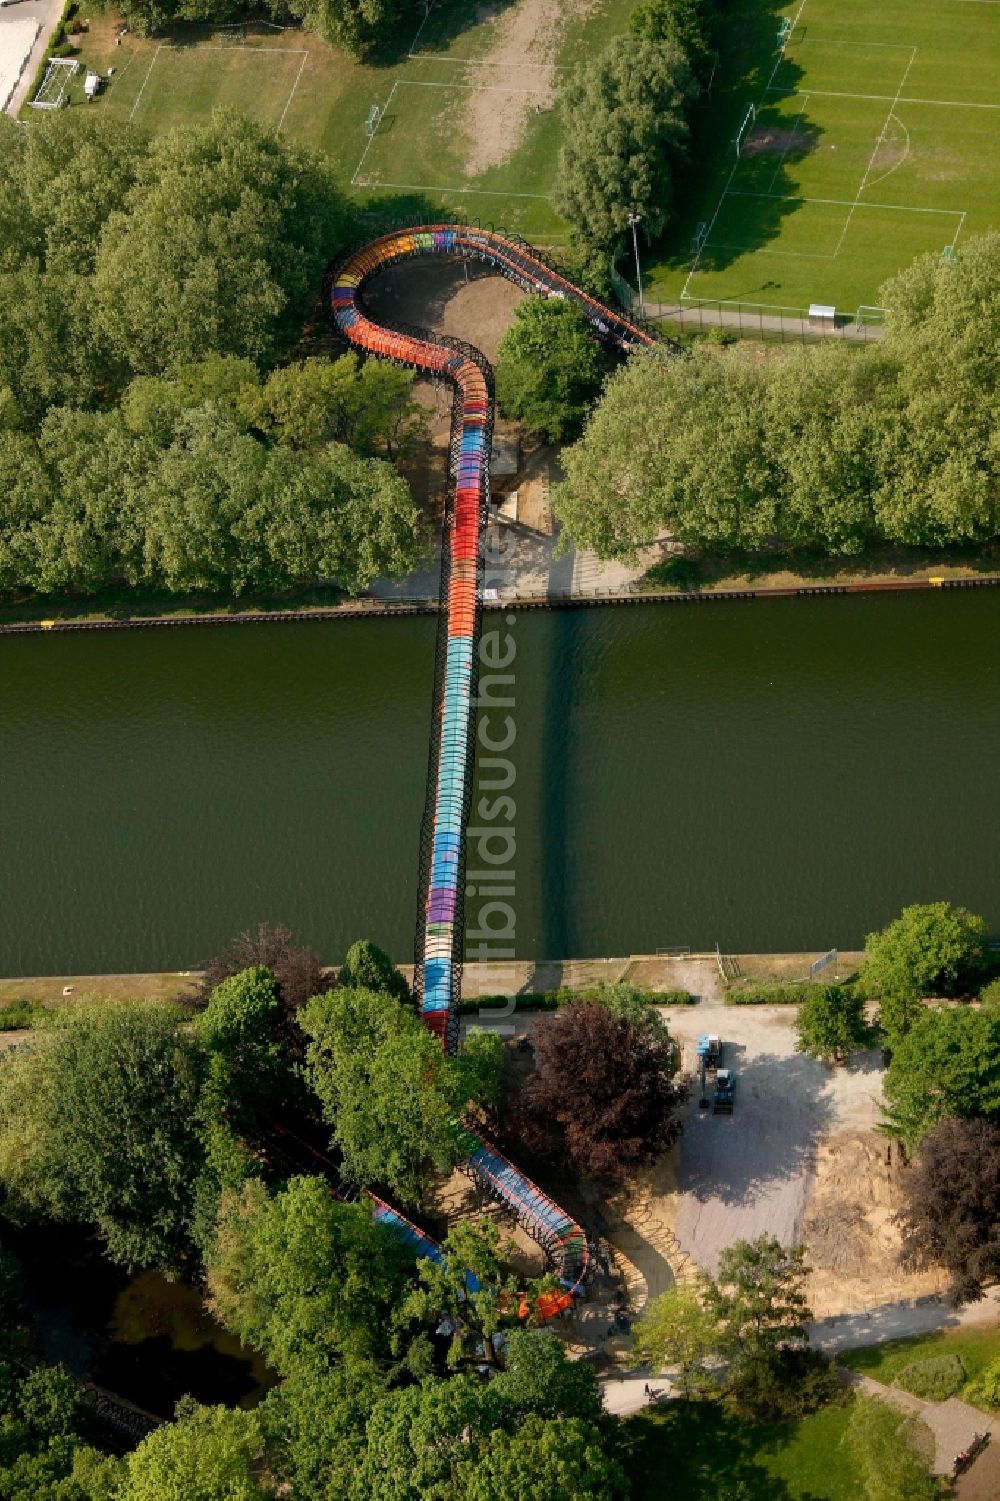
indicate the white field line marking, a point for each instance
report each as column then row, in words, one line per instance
column 420, row 28
column 906, row 151
column 875, row 149
column 291, row 92
column 791, row 132
column 961, row 222
column 708, row 233
column 371, row 138
column 889, row 98
column 901, row 208
column 145, row 81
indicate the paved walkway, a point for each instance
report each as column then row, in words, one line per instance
column 753, row 322
column 953, row 1424
column 46, row 14
column 898, row 1320
column 532, row 570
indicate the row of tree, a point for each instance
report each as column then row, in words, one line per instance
column 363, row 27
column 144, row 288
column 209, row 480
column 626, row 131
column 827, row 448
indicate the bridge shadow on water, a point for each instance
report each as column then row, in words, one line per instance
column 559, row 935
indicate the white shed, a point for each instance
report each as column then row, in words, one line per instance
column 821, row 315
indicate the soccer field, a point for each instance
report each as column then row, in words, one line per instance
column 466, row 111
column 874, row 136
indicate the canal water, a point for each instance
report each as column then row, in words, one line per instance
column 766, row 775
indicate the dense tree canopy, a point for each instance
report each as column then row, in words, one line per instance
column 930, row 950
column 947, row 1064
column 548, row 368
column 302, row 1277
column 624, row 134
column 216, row 247
column 169, row 273
column 951, row 1214
column 679, row 1331
column 827, row 448
column 603, row 1092
column 388, row 1092
column 688, row 26
column 831, row 1022
column 107, row 1111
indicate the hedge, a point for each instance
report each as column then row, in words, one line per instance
column 770, row 993
column 934, row 1379
column 551, row 1000
column 19, row 1015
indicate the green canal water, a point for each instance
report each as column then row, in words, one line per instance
column 765, row 775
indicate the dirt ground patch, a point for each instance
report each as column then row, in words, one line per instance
column 449, row 298
column 515, row 78
column 854, row 1246
column 776, row 142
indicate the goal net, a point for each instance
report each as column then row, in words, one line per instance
column 52, row 89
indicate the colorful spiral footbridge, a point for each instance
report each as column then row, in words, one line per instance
column 440, row 920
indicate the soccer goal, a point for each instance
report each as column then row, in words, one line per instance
column 784, row 33
column 869, row 317
column 52, row 89
column 748, row 120
column 372, row 118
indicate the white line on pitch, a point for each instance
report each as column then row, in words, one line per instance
column 901, row 208
column 875, row 151
column 284, row 112
column 146, row 80
column 888, row 98
column 371, row 138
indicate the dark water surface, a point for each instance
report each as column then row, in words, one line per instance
column 768, row 775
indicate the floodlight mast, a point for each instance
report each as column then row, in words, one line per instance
column 633, row 220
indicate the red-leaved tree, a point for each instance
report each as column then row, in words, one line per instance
column 952, row 1210
column 603, row 1094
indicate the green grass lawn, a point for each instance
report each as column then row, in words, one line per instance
column 975, row 1347
column 876, row 138
column 877, row 135
column 439, row 93
column 698, row 1452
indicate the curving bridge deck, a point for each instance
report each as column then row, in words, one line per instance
column 440, row 931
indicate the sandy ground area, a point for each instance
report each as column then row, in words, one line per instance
column 458, row 300
column 799, row 1158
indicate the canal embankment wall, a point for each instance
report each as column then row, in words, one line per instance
column 656, row 971
column 382, row 608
